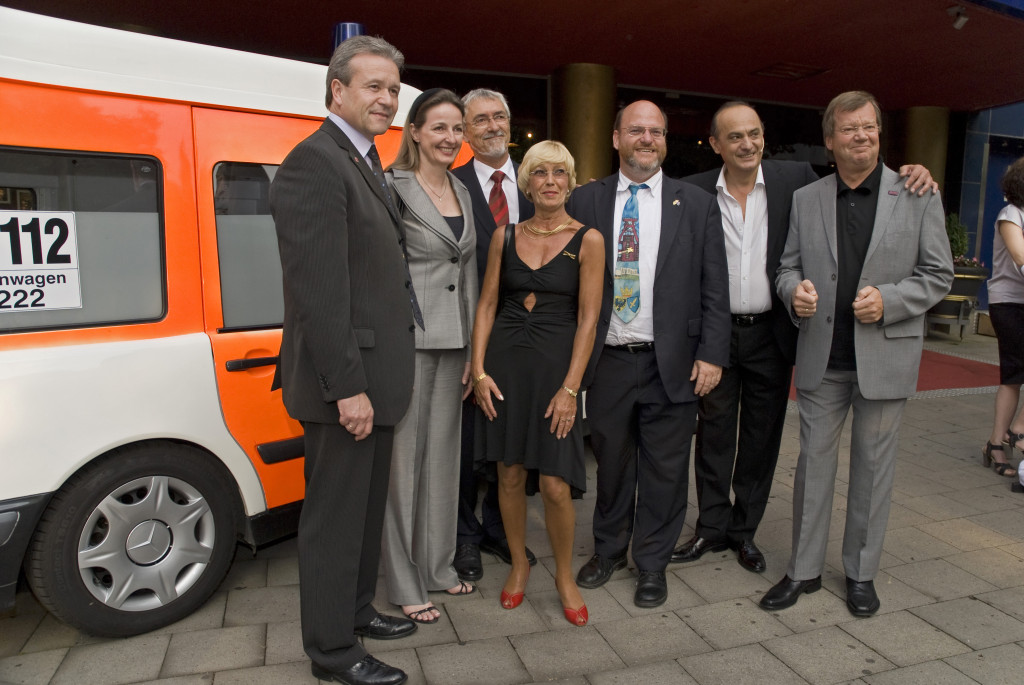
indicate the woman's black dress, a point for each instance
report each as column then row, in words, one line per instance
column 528, row 356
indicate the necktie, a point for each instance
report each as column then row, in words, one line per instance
column 378, row 173
column 497, row 202
column 626, row 301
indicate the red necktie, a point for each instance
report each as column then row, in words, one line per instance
column 497, row 202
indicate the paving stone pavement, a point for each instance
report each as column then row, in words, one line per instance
column 951, row 586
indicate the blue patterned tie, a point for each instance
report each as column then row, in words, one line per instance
column 378, row 172
column 626, row 302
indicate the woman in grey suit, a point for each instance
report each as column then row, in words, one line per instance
column 437, row 218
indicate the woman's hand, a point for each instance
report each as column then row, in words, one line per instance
column 483, row 389
column 562, row 412
column 467, row 387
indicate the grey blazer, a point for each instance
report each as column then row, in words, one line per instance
column 443, row 270
column 908, row 260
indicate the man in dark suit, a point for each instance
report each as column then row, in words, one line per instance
column 490, row 177
column 666, row 276
column 346, row 355
column 755, row 196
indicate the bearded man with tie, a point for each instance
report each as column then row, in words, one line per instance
column 662, row 340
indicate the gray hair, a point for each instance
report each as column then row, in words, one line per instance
column 485, row 94
column 358, row 45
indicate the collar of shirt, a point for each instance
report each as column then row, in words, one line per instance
column 484, row 172
column 361, row 142
column 653, row 183
column 867, row 187
column 723, row 188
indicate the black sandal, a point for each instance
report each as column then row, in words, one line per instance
column 1001, row 468
column 419, row 613
column 1012, row 439
column 464, row 588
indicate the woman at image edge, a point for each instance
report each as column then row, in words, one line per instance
column 528, row 363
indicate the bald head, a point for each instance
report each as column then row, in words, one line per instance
column 639, row 136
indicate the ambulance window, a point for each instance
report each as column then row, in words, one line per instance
column 250, row 268
column 81, row 240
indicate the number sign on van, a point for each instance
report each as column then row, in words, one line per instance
column 38, row 262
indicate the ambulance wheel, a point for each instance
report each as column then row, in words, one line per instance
column 136, row 540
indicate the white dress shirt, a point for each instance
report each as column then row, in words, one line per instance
column 361, row 142
column 641, row 328
column 746, row 247
column 483, row 174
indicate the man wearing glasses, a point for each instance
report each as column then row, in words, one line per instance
column 864, row 260
column 490, row 178
column 666, row 274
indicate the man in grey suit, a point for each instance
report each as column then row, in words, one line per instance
column 490, row 177
column 864, row 261
column 662, row 340
column 346, row 365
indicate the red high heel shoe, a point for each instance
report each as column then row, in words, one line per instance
column 577, row 617
column 510, row 601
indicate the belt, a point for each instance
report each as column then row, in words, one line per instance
column 750, row 319
column 633, row 348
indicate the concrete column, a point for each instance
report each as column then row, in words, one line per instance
column 927, row 140
column 582, row 115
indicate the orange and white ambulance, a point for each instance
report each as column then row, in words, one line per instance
column 140, row 315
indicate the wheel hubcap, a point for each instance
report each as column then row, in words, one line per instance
column 149, row 542
column 146, row 543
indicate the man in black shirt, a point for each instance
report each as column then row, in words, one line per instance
column 864, row 260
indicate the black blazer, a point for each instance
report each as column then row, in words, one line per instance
column 348, row 325
column 482, row 218
column 691, row 280
column 781, row 179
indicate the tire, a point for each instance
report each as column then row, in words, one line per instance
column 135, row 540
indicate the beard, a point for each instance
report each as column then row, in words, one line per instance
column 495, row 146
column 648, row 168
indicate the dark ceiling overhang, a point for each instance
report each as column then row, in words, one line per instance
column 799, row 52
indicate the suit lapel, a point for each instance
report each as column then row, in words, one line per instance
column 827, row 200
column 606, row 207
column 331, row 129
column 481, row 214
column 671, row 211
column 889, row 182
column 417, row 202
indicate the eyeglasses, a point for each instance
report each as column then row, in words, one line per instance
column 482, row 120
column 637, row 131
column 867, row 128
column 558, row 173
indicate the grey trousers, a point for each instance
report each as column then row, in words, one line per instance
column 418, row 544
column 873, row 447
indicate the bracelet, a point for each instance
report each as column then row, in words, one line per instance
column 479, row 378
column 569, row 390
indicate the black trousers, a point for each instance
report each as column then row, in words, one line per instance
column 339, row 538
column 470, row 530
column 641, row 440
column 753, row 393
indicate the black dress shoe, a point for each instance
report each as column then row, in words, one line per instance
column 785, row 593
column 366, row 671
column 861, row 599
column 598, row 570
column 695, row 548
column 385, row 627
column 499, row 548
column 467, row 562
column 651, row 590
column 750, row 556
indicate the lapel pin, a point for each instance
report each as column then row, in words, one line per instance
column 675, row 203
column 894, row 192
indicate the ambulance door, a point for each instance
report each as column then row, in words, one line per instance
column 237, row 155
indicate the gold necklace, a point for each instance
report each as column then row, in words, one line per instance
column 544, row 234
column 426, row 185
